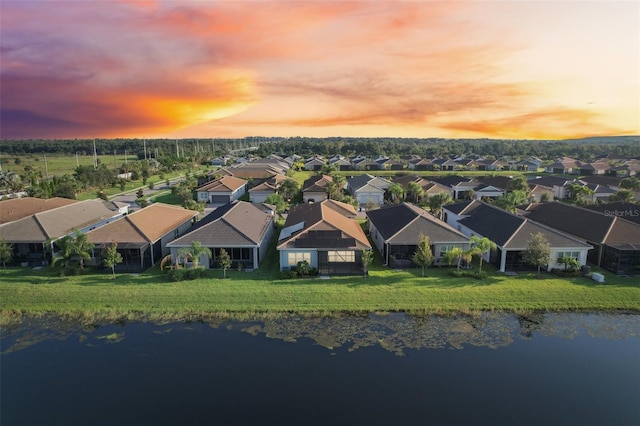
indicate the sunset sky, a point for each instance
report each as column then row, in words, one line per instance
column 207, row 69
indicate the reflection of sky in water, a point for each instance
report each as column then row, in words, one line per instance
column 395, row 332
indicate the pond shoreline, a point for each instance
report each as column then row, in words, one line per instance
column 110, row 318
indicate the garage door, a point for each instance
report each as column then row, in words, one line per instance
column 220, row 199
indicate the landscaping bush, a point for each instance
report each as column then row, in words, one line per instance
column 287, row 275
column 472, row 274
column 182, row 274
column 566, row 273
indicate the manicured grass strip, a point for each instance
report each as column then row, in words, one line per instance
column 384, row 290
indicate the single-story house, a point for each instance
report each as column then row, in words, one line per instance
column 18, row 208
column 314, row 189
column 421, row 164
column 143, row 235
column 32, row 235
column 396, row 229
column 314, row 163
column 555, row 183
column 222, row 191
column 616, row 241
column 242, row 229
column 260, row 192
column 564, row 165
column 368, row 188
column 511, row 234
column 324, row 234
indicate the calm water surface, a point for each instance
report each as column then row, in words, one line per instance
column 493, row 369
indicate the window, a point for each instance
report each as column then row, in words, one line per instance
column 298, row 256
column 570, row 254
column 341, row 256
column 445, row 249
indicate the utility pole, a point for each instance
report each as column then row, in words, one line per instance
column 46, row 168
column 95, row 155
column 177, row 150
column 77, row 162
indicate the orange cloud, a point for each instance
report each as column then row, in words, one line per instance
column 542, row 124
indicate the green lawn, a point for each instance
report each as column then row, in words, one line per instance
column 149, row 295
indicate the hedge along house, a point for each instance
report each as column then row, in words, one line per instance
column 34, row 235
column 222, row 191
column 324, row 234
column 243, row 229
column 616, row 241
column 142, row 236
column 396, row 229
column 512, row 233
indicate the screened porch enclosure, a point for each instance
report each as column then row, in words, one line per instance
column 340, row 262
column 242, row 255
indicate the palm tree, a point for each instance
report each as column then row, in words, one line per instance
column 414, row 191
column 196, row 250
column 396, row 191
column 510, row 200
column 65, row 251
column 184, row 254
column 437, row 201
column 82, row 247
column 454, row 255
column 70, row 247
column 480, row 246
column 289, row 188
column 579, row 192
column 332, row 190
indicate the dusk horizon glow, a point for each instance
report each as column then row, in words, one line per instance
column 218, row 69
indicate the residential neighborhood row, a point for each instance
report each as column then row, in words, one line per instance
column 326, row 233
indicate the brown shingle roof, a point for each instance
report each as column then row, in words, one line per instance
column 121, row 231
column 316, row 183
column 18, row 208
column 325, row 216
column 223, row 184
column 158, row 219
column 58, row 222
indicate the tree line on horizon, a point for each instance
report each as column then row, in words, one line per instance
column 584, row 149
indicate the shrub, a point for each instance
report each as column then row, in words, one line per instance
column 472, row 274
column 567, row 273
column 182, row 274
column 287, row 275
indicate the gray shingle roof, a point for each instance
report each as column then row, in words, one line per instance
column 588, row 224
column 404, row 223
column 237, row 224
column 514, row 232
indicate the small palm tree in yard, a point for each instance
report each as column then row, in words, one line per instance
column 196, row 250
column 224, row 260
column 423, row 255
column 454, row 255
column 481, row 246
column 70, row 247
